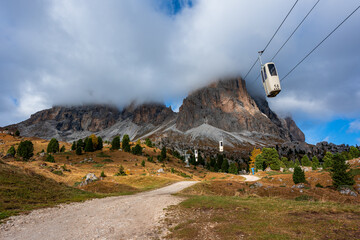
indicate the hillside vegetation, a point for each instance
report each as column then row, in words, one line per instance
column 23, row 190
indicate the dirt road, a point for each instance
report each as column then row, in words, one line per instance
column 124, row 217
column 250, row 178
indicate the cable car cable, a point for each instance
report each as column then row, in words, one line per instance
column 280, row 25
column 255, row 79
column 294, row 30
column 320, row 43
column 257, row 59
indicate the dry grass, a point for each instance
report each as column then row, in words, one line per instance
column 232, row 210
column 23, row 190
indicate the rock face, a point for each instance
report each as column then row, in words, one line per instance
column 153, row 113
column 227, row 105
column 92, row 118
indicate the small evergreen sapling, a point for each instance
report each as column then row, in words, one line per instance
column 26, row 149
column 11, row 151
column 298, row 175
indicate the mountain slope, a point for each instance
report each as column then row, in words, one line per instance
column 222, row 110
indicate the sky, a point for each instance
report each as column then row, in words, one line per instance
column 65, row 52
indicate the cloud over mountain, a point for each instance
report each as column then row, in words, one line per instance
column 71, row 52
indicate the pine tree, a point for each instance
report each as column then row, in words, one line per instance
column 78, row 150
column 259, row 162
column 148, row 142
column 219, row 161
column 126, row 143
column 354, row 152
column 115, row 143
column 73, row 146
column 271, row 158
column 100, row 144
column 163, row 153
column 137, row 150
column 233, row 168
column 225, row 166
column 53, row 146
column 305, row 161
column 26, row 149
column 143, row 163
column 328, row 160
column 339, row 172
column 80, row 144
column 17, row 133
column 11, row 151
column 62, row 149
column 298, row 175
column 89, row 145
column 297, row 163
column 315, row 163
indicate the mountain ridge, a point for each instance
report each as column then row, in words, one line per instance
column 222, row 110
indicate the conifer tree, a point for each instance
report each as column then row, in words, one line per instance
column 11, row 151
column 339, row 172
column 73, row 146
column 305, row 161
column 354, row 152
column 298, row 175
column 233, row 168
column 78, row 150
column 126, row 143
column 100, row 144
column 225, row 166
column 315, row 163
column 53, row 146
column 328, row 160
column 89, row 145
column 26, row 149
column 163, row 153
column 115, row 143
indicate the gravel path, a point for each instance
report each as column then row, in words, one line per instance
column 250, row 178
column 124, row 217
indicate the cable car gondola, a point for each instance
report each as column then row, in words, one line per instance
column 270, row 78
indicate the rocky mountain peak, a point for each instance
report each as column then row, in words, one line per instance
column 227, row 105
column 154, row 113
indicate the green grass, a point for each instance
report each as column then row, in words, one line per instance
column 272, row 173
column 264, row 218
column 98, row 165
column 107, row 160
column 249, row 216
column 22, row 191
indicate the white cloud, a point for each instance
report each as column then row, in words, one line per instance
column 85, row 51
column 354, row 126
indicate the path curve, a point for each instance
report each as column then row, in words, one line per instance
column 124, row 217
column 250, row 178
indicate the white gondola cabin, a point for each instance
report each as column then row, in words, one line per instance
column 270, row 79
column 221, row 146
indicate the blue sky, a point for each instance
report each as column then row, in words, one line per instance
column 88, row 51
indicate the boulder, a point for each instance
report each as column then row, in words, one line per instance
column 160, row 170
column 256, row 185
column 299, row 185
column 89, row 178
column 347, row 191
